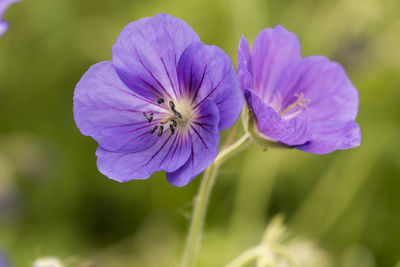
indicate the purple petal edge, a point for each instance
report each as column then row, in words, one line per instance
column 105, row 109
column 168, row 154
column 146, row 55
column 291, row 132
column 4, row 4
column 274, row 50
column 244, row 65
column 329, row 137
column 205, row 72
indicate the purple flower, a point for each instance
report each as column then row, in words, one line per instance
column 159, row 104
column 3, row 261
column 308, row 103
column 3, row 6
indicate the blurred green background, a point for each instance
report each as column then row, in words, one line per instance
column 343, row 207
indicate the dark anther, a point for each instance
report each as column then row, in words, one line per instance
column 172, row 129
column 148, row 117
column 154, row 129
column 160, row 101
column 160, row 131
column 174, row 123
column 179, row 115
column 172, row 105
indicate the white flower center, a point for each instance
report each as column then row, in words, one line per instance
column 179, row 117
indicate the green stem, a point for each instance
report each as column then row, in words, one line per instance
column 201, row 202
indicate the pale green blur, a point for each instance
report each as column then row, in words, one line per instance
column 341, row 209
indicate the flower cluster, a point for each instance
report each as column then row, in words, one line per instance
column 162, row 100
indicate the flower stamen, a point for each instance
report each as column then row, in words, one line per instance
column 154, row 129
column 148, row 117
column 177, row 114
column 300, row 102
column 160, row 131
column 173, row 119
column 172, row 106
column 171, row 127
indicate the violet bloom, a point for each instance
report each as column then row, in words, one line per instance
column 3, row 261
column 3, row 6
column 308, row 103
column 159, row 104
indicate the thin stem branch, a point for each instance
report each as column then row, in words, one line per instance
column 193, row 240
column 248, row 256
column 231, row 137
column 232, row 149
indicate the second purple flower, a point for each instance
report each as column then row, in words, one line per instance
column 159, row 104
column 307, row 103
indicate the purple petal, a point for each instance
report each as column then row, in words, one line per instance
column 3, row 27
column 331, row 136
column 3, row 261
column 205, row 72
column 332, row 95
column 273, row 51
column 291, row 132
column 169, row 153
column 4, row 5
column 244, row 65
column 146, row 55
column 111, row 113
column 204, row 146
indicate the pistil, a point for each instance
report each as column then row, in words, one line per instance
column 172, row 118
column 300, row 102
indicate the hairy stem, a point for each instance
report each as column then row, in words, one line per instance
column 193, row 240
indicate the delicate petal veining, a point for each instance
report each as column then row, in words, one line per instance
column 332, row 136
column 3, row 6
column 332, row 95
column 204, row 146
column 159, row 104
column 147, row 52
column 308, row 103
column 107, row 110
column 273, row 51
column 206, row 73
column 169, row 153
